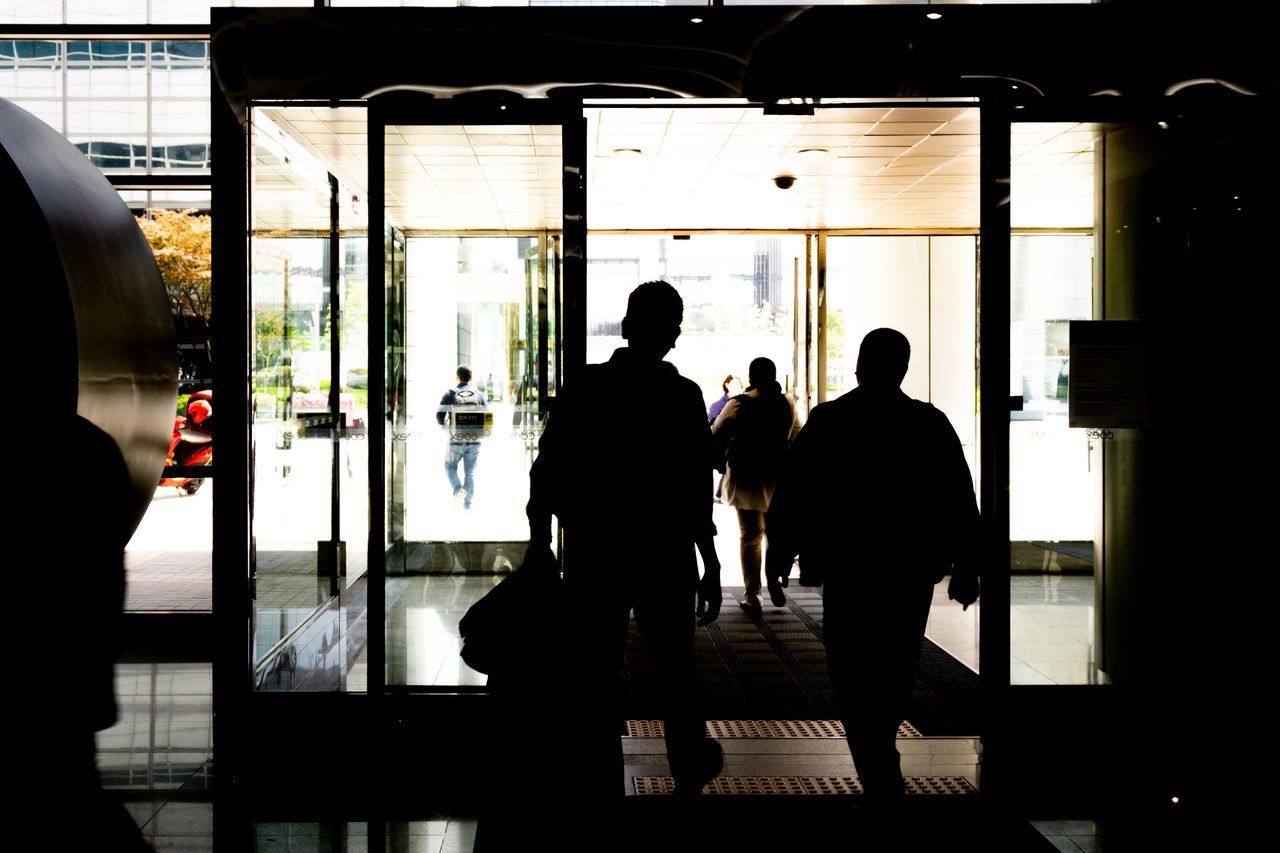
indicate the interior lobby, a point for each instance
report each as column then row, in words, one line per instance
column 1053, row 202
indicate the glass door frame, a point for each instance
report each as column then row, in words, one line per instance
column 402, row 109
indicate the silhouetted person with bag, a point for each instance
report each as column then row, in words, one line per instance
column 631, row 486
column 752, row 434
column 877, row 498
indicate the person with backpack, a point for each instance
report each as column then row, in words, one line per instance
column 752, row 434
column 462, row 413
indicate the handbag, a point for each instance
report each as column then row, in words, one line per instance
column 518, row 623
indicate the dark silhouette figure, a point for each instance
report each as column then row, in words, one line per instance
column 74, row 694
column 877, row 499
column 631, row 486
column 752, row 433
column 461, row 411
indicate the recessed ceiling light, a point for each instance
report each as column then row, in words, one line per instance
column 695, row 20
column 1163, row 125
column 628, row 152
column 813, row 152
column 933, row 16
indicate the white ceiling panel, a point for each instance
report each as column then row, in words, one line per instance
column 704, row 168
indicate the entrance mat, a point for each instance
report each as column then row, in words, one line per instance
column 772, row 729
column 1072, row 558
column 805, row 786
column 774, row 667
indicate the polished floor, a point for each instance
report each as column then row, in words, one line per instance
column 158, row 759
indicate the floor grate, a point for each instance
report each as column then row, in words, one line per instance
column 805, row 786
column 761, row 729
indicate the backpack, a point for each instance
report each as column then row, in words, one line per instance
column 467, row 419
column 761, row 434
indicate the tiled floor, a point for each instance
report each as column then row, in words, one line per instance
column 168, row 562
column 1071, row 836
column 1052, row 630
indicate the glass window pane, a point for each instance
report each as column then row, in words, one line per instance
column 302, row 608
column 169, row 560
column 874, row 282
column 106, row 11
column 31, row 77
column 31, row 11
column 1053, row 469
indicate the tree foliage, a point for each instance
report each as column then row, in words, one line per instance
column 182, row 245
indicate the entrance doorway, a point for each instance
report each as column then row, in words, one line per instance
column 788, row 235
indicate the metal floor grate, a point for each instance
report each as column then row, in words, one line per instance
column 761, row 729
column 804, row 786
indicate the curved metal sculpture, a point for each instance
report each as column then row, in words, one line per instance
column 81, row 273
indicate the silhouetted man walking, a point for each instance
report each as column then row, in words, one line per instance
column 624, row 463
column 877, row 498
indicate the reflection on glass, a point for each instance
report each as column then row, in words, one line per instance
column 292, row 450
column 1053, row 470
column 1050, row 484
column 309, row 408
column 468, row 305
column 353, row 467
column 163, row 736
column 133, row 106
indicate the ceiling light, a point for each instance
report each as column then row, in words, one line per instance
column 813, row 152
column 695, row 20
column 1163, row 125
column 628, row 152
column 933, row 16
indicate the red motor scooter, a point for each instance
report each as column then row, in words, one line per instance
column 192, row 441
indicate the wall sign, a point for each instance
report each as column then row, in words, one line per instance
column 1108, row 379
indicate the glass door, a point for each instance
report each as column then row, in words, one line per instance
column 1123, row 220
column 471, row 212
column 309, row 407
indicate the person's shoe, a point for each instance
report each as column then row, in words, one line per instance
column 710, row 763
column 776, row 595
column 751, row 604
